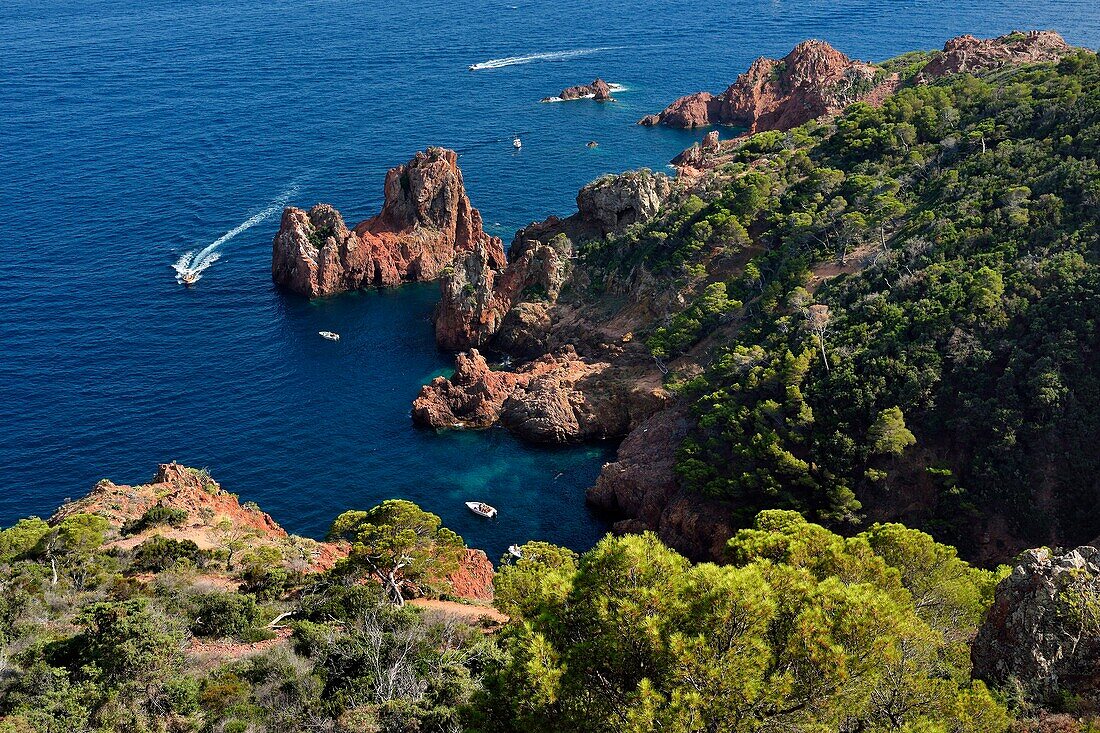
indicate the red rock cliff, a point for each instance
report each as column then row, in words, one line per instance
column 967, row 53
column 425, row 223
column 812, row 80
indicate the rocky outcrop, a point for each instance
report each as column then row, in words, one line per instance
column 175, row 486
column 612, row 203
column 473, row 397
column 812, row 80
column 478, row 299
column 641, row 491
column 970, row 54
column 558, row 398
column 598, row 90
column 473, row 580
column 426, row 223
column 696, row 157
column 1043, row 630
column 213, row 517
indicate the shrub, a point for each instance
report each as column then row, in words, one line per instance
column 163, row 553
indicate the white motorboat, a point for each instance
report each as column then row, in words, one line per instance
column 330, row 335
column 515, row 552
column 517, row 143
column 481, row 509
column 188, row 278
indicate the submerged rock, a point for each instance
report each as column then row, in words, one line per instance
column 426, row 222
column 1043, row 631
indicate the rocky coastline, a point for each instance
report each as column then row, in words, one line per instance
column 581, row 374
column 816, row 81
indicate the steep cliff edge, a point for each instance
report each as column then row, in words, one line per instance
column 426, row 222
column 478, row 297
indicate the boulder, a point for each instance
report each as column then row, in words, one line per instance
column 612, row 203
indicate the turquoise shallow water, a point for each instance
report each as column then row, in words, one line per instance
column 133, row 132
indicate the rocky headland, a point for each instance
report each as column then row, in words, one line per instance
column 426, row 223
column 215, row 519
column 571, row 304
column 815, row 80
column 581, row 374
column 599, row 90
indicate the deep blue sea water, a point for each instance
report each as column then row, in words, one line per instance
column 136, row 130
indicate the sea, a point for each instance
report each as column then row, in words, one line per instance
column 136, row 133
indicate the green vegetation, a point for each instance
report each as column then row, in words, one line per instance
column 905, row 297
column 88, row 642
column 920, row 291
column 803, row 630
column 156, row 516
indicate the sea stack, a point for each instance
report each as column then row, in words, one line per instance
column 598, row 90
column 426, row 222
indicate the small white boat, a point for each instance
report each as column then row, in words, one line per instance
column 330, row 335
column 187, row 279
column 517, row 143
column 515, row 552
column 481, row 509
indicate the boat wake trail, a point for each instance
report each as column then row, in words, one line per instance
column 549, row 56
column 190, row 266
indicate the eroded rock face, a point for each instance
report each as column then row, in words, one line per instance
column 472, row 398
column 474, row 578
column 612, row 203
column 478, row 298
column 426, row 222
column 967, row 53
column 814, row 79
column 1043, row 630
column 598, row 90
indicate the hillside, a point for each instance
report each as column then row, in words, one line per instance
column 889, row 314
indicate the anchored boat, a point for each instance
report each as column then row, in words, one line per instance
column 330, row 335
column 481, row 509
